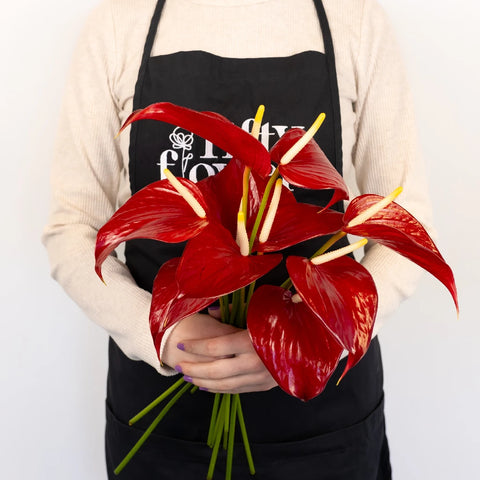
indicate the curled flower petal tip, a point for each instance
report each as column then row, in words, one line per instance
column 397, row 229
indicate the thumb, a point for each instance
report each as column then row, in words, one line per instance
column 214, row 311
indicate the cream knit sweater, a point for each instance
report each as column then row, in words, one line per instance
column 90, row 168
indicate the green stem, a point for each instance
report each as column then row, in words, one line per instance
column 225, row 308
column 213, row 419
column 241, row 318
column 331, row 241
column 150, row 429
column 226, row 424
column 231, row 438
column 251, row 289
column 235, row 304
column 217, row 438
column 246, row 443
column 263, row 205
column 162, row 397
column 218, row 420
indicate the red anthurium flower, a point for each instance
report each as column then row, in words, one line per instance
column 212, row 264
column 310, row 168
column 223, row 192
column 157, row 212
column 399, row 230
column 169, row 303
column 297, row 222
column 299, row 352
column 213, row 127
column 343, row 296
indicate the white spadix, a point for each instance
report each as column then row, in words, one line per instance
column 327, row 257
column 187, row 196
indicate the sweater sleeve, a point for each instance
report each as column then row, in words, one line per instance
column 386, row 154
column 85, row 178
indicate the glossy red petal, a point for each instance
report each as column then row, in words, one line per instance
column 343, row 295
column 310, row 168
column 212, row 265
column 169, row 304
column 213, row 127
column 397, row 229
column 297, row 349
column 156, row 212
column 353, row 359
column 223, row 193
column 297, row 222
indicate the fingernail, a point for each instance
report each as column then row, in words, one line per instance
column 188, row 379
column 178, row 368
column 214, row 307
column 203, row 389
column 181, row 346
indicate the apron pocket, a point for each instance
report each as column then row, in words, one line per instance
column 352, row 453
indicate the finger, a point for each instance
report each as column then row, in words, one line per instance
column 244, row 373
column 254, row 382
column 170, row 359
column 215, row 312
column 223, row 368
column 191, row 357
column 221, row 346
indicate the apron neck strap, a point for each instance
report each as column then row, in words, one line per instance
column 147, row 50
column 332, row 74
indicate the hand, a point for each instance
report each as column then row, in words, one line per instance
column 224, row 362
column 197, row 326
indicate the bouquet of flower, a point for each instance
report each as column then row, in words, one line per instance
column 240, row 219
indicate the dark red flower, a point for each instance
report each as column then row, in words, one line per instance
column 157, row 212
column 342, row 294
column 295, row 346
column 310, row 168
column 169, row 303
column 396, row 228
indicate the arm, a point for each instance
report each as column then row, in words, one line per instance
column 386, row 153
column 86, row 172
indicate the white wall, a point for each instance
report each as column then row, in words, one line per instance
column 430, row 358
column 53, row 361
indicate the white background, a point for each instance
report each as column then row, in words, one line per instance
column 53, row 360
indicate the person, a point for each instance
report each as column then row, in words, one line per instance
column 298, row 58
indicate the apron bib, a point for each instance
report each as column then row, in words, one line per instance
column 338, row 435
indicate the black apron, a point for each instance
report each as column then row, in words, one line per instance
column 341, row 433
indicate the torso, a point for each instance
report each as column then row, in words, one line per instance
column 294, row 32
column 287, row 434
